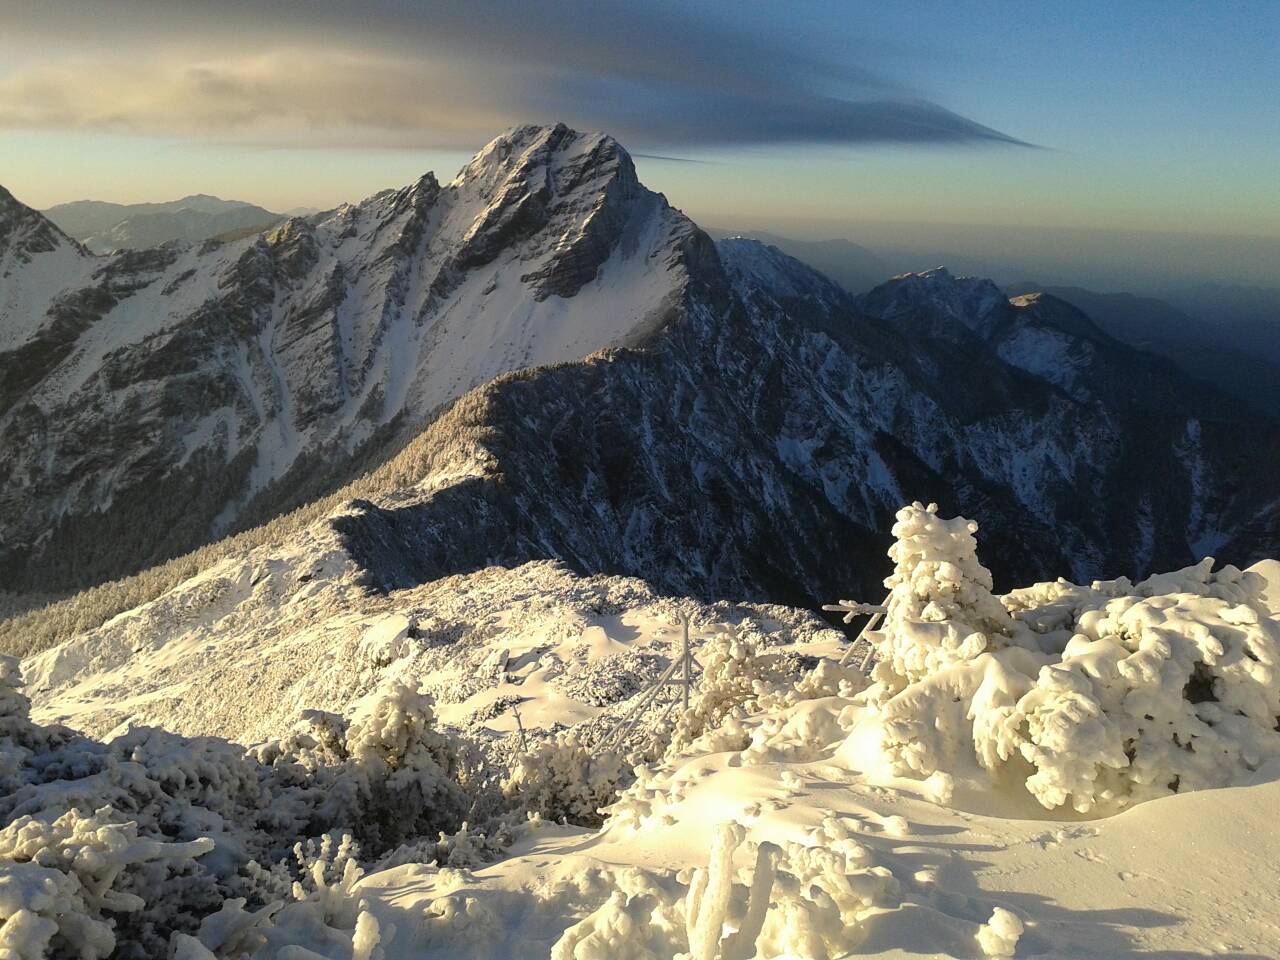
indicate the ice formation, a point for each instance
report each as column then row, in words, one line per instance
column 1113, row 693
column 564, row 780
column 112, row 849
column 784, row 814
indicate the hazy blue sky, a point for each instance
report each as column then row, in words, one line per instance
column 812, row 118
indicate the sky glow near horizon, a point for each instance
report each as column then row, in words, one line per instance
column 808, row 118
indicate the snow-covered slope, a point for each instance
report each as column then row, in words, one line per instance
column 198, row 384
column 37, row 261
column 759, row 451
column 961, row 802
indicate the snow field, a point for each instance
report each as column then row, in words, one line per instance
column 1020, row 775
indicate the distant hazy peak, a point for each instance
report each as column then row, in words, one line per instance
column 748, row 259
column 975, row 303
column 942, row 282
column 106, row 227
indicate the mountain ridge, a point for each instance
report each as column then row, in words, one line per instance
column 290, row 350
column 105, row 227
column 729, row 422
column 1198, row 347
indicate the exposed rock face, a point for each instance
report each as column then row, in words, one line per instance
column 761, row 449
column 239, row 379
column 718, row 419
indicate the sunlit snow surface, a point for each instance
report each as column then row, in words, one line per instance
column 803, row 786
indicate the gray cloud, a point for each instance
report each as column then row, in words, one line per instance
column 399, row 73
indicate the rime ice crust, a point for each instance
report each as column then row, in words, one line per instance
column 1114, row 693
column 794, row 811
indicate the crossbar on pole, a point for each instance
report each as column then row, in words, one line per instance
column 852, row 609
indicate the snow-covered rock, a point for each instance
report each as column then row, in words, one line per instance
column 157, row 398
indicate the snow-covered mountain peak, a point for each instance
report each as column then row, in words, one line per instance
column 1054, row 311
column 7, row 200
column 563, row 200
column 941, row 285
column 37, row 261
column 939, row 303
column 25, row 232
column 328, row 333
column 753, row 262
column 535, row 151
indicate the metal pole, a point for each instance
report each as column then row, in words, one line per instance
column 684, row 621
column 862, row 634
column 851, row 609
column 524, row 744
column 641, row 703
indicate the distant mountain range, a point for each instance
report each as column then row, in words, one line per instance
column 1240, row 357
column 570, row 368
column 1223, row 334
column 1228, row 335
column 107, row 227
column 853, row 266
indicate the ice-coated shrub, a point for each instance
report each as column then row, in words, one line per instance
column 328, row 871
column 640, row 920
column 802, row 900
column 795, row 735
column 59, row 879
column 15, row 725
column 387, row 776
column 1152, row 695
column 159, row 831
column 830, row 679
column 999, row 936
column 15, row 707
column 940, row 606
column 43, row 909
column 1113, row 694
column 467, row 848
column 311, row 909
column 732, row 680
column 564, row 780
column 410, row 768
column 737, row 681
column 231, row 931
